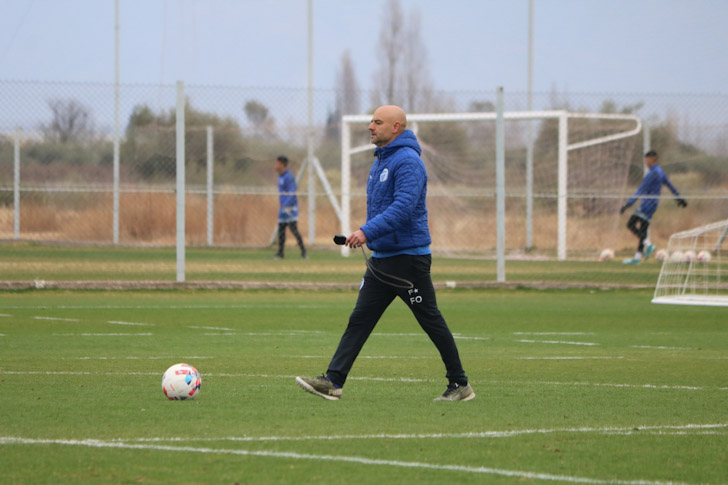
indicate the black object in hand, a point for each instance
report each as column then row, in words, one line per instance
column 681, row 202
column 339, row 239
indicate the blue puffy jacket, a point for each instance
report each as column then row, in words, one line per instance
column 396, row 190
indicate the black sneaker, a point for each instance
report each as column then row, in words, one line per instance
column 456, row 392
column 320, row 386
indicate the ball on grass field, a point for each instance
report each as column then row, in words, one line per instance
column 677, row 256
column 661, row 255
column 704, row 256
column 180, row 382
column 606, row 255
column 689, row 255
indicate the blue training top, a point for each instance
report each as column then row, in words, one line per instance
column 287, row 197
column 651, row 186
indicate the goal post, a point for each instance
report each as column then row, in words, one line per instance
column 562, row 140
column 692, row 272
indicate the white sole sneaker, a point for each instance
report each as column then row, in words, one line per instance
column 332, row 394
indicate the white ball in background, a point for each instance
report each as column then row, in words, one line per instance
column 704, row 256
column 689, row 255
column 606, row 255
column 677, row 256
column 661, row 255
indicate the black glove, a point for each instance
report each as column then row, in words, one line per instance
column 623, row 208
column 681, row 202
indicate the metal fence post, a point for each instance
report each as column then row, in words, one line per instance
column 180, row 149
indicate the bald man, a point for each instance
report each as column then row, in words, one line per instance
column 396, row 231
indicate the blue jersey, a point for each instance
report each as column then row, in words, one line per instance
column 287, row 197
column 651, row 186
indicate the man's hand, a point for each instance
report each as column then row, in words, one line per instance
column 356, row 239
column 623, row 208
column 681, row 202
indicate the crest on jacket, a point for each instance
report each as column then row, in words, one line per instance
column 383, row 176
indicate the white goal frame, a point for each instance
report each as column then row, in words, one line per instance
column 563, row 149
column 689, row 280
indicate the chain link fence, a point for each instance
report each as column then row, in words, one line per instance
column 61, row 137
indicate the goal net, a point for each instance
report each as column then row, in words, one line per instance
column 692, row 271
column 562, row 196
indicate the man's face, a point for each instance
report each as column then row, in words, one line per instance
column 382, row 129
column 279, row 167
column 650, row 161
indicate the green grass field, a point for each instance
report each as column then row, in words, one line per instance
column 580, row 386
column 32, row 262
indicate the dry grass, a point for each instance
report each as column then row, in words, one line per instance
column 250, row 221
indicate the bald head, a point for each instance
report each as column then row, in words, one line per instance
column 388, row 122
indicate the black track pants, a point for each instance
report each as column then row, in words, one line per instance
column 639, row 227
column 375, row 296
column 293, row 225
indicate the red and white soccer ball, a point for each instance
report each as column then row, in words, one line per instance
column 661, row 255
column 704, row 256
column 606, row 255
column 180, row 382
column 677, row 256
column 689, row 256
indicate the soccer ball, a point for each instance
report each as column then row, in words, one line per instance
column 689, row 255
column 704, row 256
column 661, row 255
column 606, row 255
column 180, row 382
column 677, row 257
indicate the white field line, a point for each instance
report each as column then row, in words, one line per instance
column 5, row 315
column 57, row 319
column 553, row 333
column 176, row 357
column 284, row 333
column 569, row 358
column 557, row 342
column 382, row 379
column 334, row 458
column 632, row 430
column 632, row 386
column 211, row 328
column 161, row 307
column 423, row 334
column 103, row 334
column 219, row 334
column 133, row 324
column 659, row 347
column 2, row 334
column 375, row 357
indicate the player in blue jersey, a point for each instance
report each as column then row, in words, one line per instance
column 649, row 191
column 288, row 213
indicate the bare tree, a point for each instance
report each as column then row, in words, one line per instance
column 415, row 74
column 402, row 77
column 258, row 114
column 70, row 120
column 347, row 87
column 391, row 40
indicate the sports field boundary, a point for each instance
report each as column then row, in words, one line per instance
column 285, row 285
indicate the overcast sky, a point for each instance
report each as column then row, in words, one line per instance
column 616, row 46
